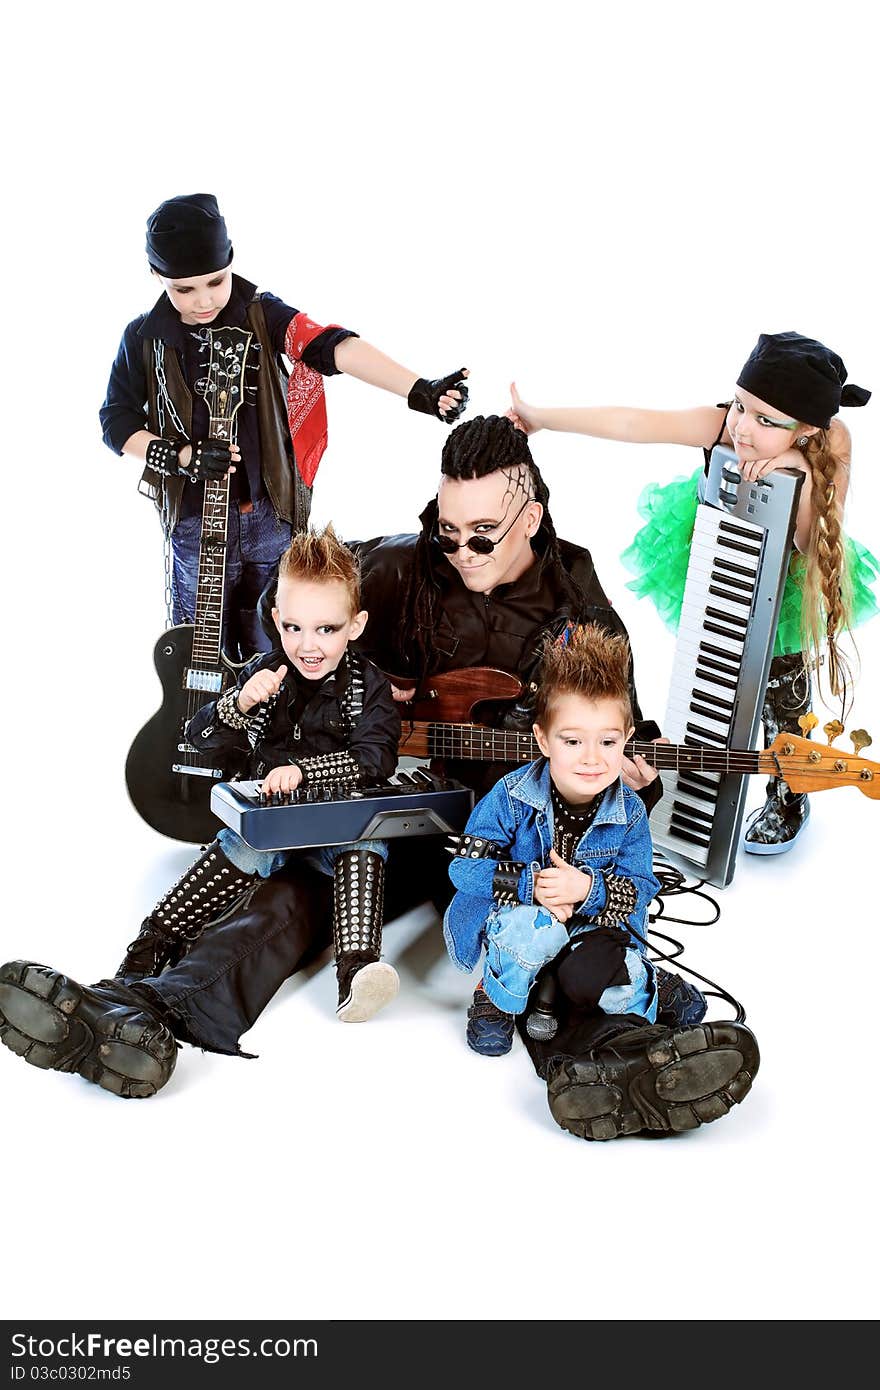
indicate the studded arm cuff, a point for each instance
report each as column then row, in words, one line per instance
column 505, row 882
column 229, row 713
column 472, row 847
column 339, row 768
column 163, row 456
column 621, row 897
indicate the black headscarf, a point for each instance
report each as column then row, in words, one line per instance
column 187, row 236
column 800, row 376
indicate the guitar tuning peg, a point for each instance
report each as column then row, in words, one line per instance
column 808, row 722
column 833, row 729
column 860, row 739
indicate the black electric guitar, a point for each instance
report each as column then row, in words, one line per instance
column 443, row 722
column 169, row 781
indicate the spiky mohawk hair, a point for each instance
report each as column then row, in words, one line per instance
column 319, row 557
column 585, row 661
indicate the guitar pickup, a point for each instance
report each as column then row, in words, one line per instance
column 211, row 681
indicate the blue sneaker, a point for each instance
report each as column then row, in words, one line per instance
column 489, row 1031
column 679, row 1003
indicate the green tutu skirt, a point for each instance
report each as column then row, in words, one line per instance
column 659, row 556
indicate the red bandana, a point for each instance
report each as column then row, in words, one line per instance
column 306, row 405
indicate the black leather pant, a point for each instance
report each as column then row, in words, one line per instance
column 220, row 988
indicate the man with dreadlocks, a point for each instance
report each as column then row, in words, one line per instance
column 484, row 583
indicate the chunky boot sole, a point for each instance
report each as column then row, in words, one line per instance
column 58, row 1025
column 373, row 987
column 680, row 1082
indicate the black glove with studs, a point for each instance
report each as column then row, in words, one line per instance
column 211, row 458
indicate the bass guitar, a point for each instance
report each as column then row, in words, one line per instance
column 442, row 721
column 169, row 781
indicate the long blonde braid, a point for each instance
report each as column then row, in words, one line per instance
column 827, row 597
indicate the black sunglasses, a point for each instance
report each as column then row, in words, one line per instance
column 480, row 545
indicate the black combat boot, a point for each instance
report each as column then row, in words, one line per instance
column 641, row 1076
column 366, row 983
column 774, row 828
column 207, row 890
column 108, row 1033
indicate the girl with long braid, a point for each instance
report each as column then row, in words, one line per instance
column 782, row 415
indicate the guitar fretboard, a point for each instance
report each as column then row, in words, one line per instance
column 212, row 571
column 474, row 741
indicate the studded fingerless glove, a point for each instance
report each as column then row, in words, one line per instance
column 210, row 459
column 163, row 456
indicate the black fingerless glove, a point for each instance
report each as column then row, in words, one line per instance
column 163, row 456
column 210, row 458
column 425, row 396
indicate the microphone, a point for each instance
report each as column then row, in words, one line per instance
column 542, row 1024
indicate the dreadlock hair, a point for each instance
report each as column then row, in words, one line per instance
column 481, row 446
column 319, row 557
column 586, row 661
column 822, row 572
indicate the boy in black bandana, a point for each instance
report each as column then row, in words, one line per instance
column 152, row 412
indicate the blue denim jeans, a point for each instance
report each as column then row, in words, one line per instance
column 520, row 940
column 255, row 541
column 265, row 862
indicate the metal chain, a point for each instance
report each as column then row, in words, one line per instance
column 166, row 548
column 163, row 403
column 164, row 400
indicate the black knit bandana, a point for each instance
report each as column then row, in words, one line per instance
column 800, row 377
column 187, row 236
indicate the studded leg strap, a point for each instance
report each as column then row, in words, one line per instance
column 207, row 889
column 358, row 896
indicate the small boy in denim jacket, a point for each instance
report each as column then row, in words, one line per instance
column 555, row 863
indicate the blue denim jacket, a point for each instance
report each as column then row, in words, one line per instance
column 518, row 815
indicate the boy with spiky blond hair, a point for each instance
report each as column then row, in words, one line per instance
column 310, row 712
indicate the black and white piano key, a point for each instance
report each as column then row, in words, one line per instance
column 699, row 721
column 693, row 845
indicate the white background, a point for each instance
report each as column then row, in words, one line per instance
column 609, row 204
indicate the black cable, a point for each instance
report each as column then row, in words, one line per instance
column 673, row 884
